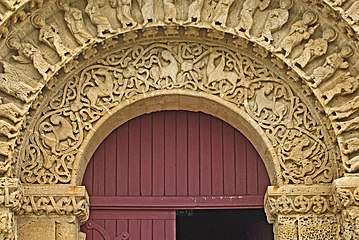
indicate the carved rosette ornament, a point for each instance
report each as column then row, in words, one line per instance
column 299, row 140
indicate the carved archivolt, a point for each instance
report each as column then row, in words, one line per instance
column 300, row 142
column 302, row 42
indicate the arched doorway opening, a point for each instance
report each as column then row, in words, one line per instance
column 156, row 164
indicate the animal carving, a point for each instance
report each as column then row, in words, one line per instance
column 216, row 73
column 263, row 102
column 59, row 131
column 300, row 154
column 103, row 88
column 164, row 71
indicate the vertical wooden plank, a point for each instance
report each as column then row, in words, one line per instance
column 134, row 229
column 95, row 234
column 88, row 177
column 170, row 153
column 262, row 175
column 110, row 227
column 205, row 155
column 158, row 140
column 252, row 183
column 122, row 160
column 110, row 170
column 228, row 157
column 122, row 226
column 170, row 232
column 241, row 163
column 146, row 230
column 146, row 155
column 99, row 171
column 217, row 157
column 193, row 156
column 181, row 152
column 134, row 157
column 158, row 229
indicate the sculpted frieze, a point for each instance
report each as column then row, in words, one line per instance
column 295, row 133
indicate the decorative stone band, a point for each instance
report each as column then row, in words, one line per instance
column 298, row 199
column 60, row 200
column 11, row 193
column 346, row 192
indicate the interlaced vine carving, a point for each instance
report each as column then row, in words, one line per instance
column 295, row 133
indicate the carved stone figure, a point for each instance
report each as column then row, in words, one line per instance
column 217, row 73
column 147, row 10
column 221, row 12
column 75, row 22
column 4, row 31
column 104, row 87
column 27, row 52
column 347, row 126
column 263, row 102
column 61, row 130
column 101, row 22
column 353, row 13
column 49, row 34
column 346, row 110
column 169, row 11
column 276, row 19
column 337, row 3
column 123, row 12
column 347, row 85
column 351, row 145
column 316, row 48
column 300, row 153
column 299, row 31
column 167, row 69
column 12, row 83
column 11, row 111
column 8, row 130
column 5, row 150
column 194, row 11
column 332, row 63
column 10, row 4
column 247, row 12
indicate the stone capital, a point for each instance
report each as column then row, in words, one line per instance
column 56, row 200
column 298, row 199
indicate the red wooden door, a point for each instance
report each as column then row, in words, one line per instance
column 157, row 163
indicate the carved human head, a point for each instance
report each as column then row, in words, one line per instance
column 286, row 4
column 346, row 51
column 113, row 3
column 38, row 20
column 329, row 34
column 310, row 17
column 13, row 42
column 64, row 5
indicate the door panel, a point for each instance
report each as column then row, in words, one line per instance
column 159, row 162
column 131, row 224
